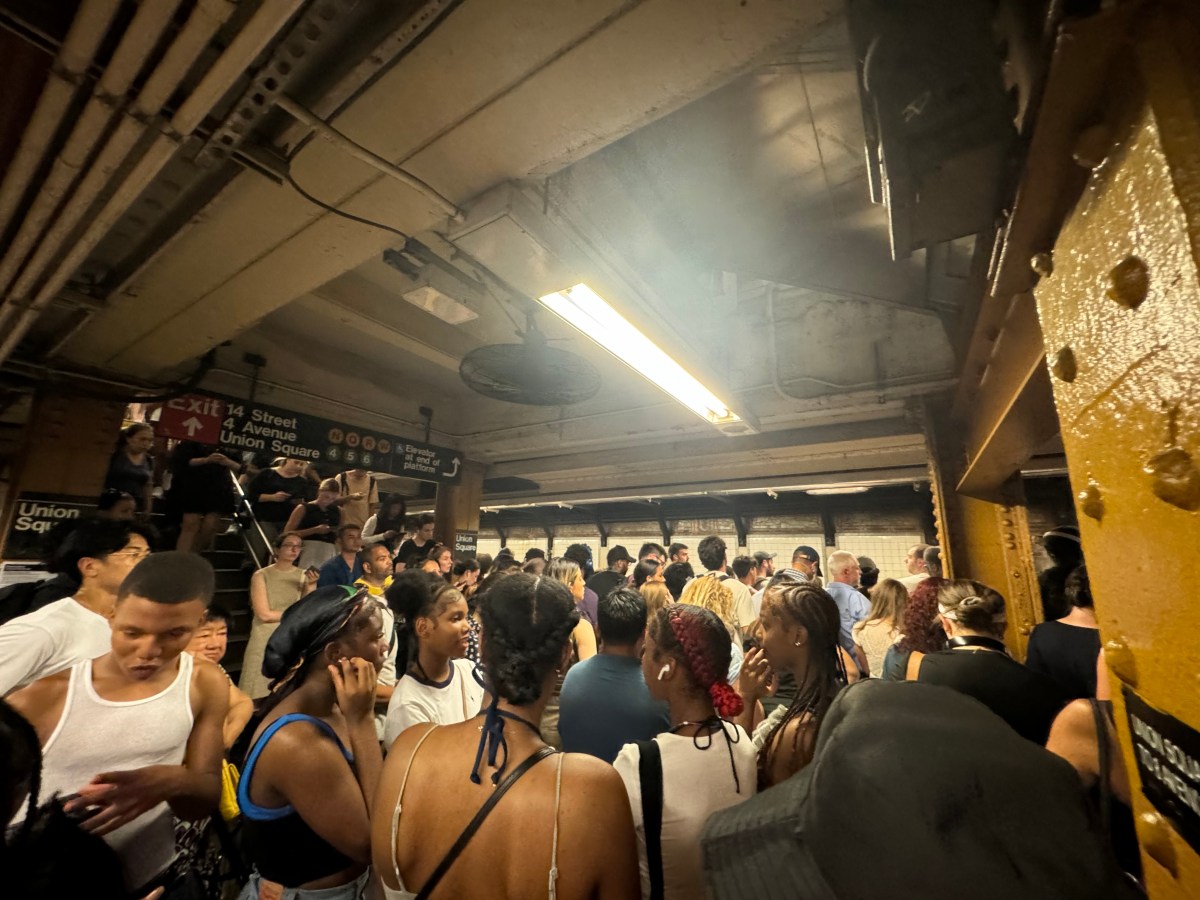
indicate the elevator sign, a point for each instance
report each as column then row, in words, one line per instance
column 192, row 417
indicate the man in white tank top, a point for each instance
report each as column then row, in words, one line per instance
column 135, row 734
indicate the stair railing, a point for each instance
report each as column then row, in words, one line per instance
column 248, row 527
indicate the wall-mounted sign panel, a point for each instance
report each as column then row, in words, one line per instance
column 239, row 426
column 1168, row 763
column 34, row 518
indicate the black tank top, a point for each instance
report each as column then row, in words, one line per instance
column 314, row 516
column 280, row 844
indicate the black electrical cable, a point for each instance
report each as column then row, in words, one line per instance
column 178, row 389
column 353, row 218
column 339, row 212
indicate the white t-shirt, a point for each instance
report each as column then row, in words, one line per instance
column 686, row 809
column 49, row 640
column 387, row 674
column 454, row 700
column 911, row 581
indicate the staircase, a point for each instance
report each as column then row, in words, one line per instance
column 233, row 568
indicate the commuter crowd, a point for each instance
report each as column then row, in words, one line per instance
column 407, row 724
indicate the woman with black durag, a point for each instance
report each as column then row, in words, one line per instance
column 313, row 761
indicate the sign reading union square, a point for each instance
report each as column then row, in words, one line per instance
column 268, row 431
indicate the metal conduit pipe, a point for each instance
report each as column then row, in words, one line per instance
column 204, row 22
column 335, row 137
column 267, row 21
column 69, row 68
column 879, row 384
column 139, row 40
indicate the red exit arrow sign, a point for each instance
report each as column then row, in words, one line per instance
column 192, row 417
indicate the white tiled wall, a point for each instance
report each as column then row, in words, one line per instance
column 888, row 550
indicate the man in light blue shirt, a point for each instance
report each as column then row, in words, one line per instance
column 852, row 606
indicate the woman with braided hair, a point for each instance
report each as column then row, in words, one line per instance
column 702, row 764
column 309, row 778
column 800, row 624
column 459, row 834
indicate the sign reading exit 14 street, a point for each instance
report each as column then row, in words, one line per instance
column 240, row 427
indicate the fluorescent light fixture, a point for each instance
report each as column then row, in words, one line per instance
column 824, row 492
column 445, row 307
column 590, row 313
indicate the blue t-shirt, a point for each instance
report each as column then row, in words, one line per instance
column 604, row 704
column 335, row 571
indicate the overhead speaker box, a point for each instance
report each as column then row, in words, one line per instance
column 938, row 120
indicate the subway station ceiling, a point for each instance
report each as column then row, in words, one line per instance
column 700, row 163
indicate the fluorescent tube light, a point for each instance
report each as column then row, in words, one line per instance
column 824, row 492
column 587, row 311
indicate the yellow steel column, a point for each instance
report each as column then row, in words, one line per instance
column 987, row 540
column 1121, row 315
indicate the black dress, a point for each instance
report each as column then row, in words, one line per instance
column 314, row 516
column 1024, row 699
column 199, row 489
column 1065, row 654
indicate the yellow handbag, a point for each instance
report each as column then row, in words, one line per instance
column 229, row 785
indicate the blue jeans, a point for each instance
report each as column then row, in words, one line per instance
column 351, row 891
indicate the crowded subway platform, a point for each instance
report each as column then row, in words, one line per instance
column 599, row 449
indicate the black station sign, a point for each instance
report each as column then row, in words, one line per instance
column 242, row 427
column 33, row 518
column 1168, row 763
column 466, row 544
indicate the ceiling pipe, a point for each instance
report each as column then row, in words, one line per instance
column 339, row 140
column 265, row 24
column 880, row 383
column 204, row 22
column 67, row 72
column 136, row 45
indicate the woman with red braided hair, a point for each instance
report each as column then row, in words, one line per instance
column 800, row 625
column 704, row 763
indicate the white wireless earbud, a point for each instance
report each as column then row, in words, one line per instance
column 662, row 673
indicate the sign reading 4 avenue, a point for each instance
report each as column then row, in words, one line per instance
column 269, row 431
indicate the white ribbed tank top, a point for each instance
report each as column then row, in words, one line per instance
column 96, row 735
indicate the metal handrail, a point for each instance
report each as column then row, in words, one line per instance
column 244, row 510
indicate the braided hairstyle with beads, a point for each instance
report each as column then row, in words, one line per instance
column 824, row 675
column 698, row 641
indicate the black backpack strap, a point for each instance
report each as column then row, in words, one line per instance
column 1100, row 715
column 650, row 773
column 473, row 826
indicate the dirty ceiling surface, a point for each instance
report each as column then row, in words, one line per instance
column 700, row 165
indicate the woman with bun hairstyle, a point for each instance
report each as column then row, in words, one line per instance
column 437, row 682
column 485, row 807
column 309, row 776
column 702, row 764
column 976, row 661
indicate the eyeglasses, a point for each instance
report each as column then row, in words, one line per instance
column 134, row 553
